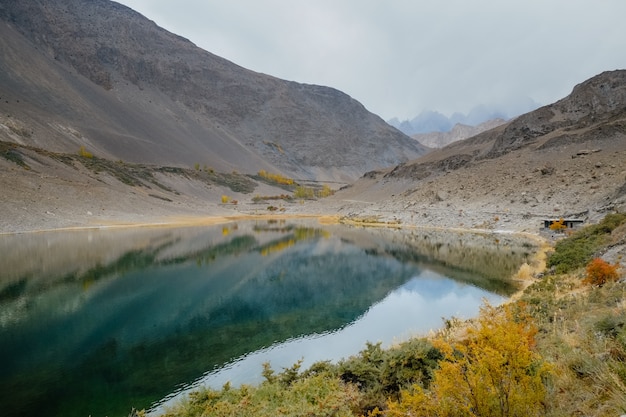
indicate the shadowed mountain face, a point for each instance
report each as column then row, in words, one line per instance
column 97, row 74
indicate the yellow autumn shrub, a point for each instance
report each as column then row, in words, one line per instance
column 493, row 372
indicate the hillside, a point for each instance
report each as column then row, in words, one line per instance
column 99, row 75
column 567, row 159
column 172, row 129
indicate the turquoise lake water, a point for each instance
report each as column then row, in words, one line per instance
column 95, row 322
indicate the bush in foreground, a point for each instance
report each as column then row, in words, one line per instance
column 559, row 351
column 495, row 371
column 319, row 395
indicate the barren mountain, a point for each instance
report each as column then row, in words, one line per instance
column 458, row 132
column 97, row 74
column 567, row 159
column 174, row 128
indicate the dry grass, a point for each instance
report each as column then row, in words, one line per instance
column 582, row 333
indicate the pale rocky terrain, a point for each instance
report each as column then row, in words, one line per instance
column 564, row 160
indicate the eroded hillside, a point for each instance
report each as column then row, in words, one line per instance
column 99, row 75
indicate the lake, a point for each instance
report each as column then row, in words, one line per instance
column 95, row 322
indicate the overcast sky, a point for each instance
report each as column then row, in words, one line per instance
column 400, row 57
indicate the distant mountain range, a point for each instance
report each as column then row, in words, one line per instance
column 96, row 74
column 433, row 121
column 458, row 132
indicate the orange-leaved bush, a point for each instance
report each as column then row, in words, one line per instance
column 599, row 272
column 493, row 372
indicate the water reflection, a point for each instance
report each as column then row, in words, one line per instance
column 413, row 309
column 94, row 322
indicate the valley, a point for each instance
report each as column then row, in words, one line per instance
column 108, row 121
column 148, row 128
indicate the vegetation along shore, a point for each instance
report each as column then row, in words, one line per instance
column 557, row 349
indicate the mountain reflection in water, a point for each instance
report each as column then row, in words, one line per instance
column 96, row 322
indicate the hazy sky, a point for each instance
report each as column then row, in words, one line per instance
column 399, row 57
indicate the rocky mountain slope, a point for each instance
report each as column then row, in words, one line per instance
column 174, row 128
column 567, row 159
column 458, row 132
column 97, row 74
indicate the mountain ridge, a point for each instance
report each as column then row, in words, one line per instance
column 161, row 93
column 567, row 159
column 458, row 132
column 430, row 121
column 563, row 159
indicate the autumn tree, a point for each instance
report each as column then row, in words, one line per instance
column 304, row 192
column 82, row 151
column 326, row 191
column 558, row 225
column 277, row 178
column 599, row 272
column 493, row 372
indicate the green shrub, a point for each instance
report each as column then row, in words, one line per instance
column 611, row 325
column 580, row 248
column 11, row 153
column 315, row 395
column 380, row 373
column 324, row 192
column 304, row 192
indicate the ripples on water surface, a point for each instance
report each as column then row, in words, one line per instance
column 96, row 322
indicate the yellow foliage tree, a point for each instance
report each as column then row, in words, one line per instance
column 304, row 192
column 494, row 372
column 558, row 225
column 84, row 152
column 277, row 178
column 326, row 191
